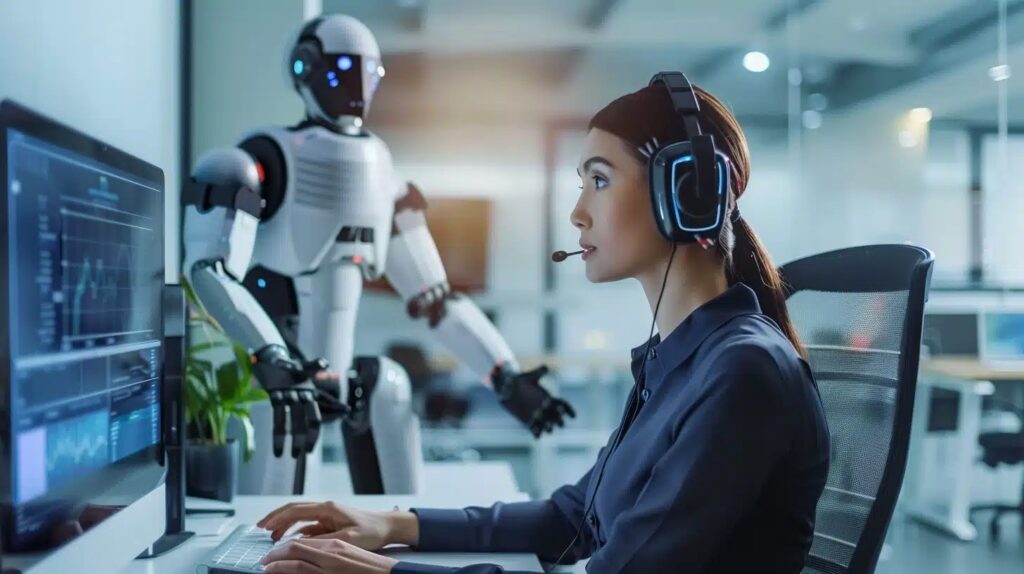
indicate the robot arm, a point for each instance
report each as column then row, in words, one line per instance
column 222, row 206
column 415, row 270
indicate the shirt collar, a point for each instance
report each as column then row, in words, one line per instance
column 687, row 336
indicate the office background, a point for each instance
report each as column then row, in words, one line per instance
column 873, row 122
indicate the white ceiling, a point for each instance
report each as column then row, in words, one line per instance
column 526, row 61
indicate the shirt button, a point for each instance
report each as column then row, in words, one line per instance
column 653, row 354
column 645, row 394
column 592, row 519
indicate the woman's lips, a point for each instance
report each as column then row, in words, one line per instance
column 588, row 251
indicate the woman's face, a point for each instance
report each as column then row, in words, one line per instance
column 613, row 212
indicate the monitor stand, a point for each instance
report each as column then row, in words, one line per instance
column 175, row 342
column 166, row 543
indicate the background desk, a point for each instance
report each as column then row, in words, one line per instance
column 971, row 379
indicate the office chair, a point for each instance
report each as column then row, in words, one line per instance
column 859, row 312
column 1002, row 448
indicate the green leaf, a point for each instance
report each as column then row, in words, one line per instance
column 254, row 395
column 227, row 382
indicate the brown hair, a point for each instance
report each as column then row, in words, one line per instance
column 646, row 114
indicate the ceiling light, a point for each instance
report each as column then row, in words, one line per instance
column 999, row 73
column 921, row 115
column 755, row 61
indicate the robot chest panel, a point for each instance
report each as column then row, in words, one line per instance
column 345, row 177
column 334, row 182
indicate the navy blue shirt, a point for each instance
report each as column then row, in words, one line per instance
column 719, row 470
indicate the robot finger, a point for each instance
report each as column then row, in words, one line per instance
column 299, row 426
column 313, row 420
column 280, row 421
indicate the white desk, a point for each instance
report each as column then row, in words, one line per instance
column 250, row 509
column 475, row 479
column 971, row 379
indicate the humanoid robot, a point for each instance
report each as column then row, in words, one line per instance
column 320, row 206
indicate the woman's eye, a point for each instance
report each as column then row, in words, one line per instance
column 599, row 182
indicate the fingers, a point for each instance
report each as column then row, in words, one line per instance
column 326, row 514
column 291, row 567
column 299, row 552
column 314, row 530
column 262, row 523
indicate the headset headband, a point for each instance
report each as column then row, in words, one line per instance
column 684, row 100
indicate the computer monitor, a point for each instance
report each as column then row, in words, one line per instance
column 951, row 333
column 1003, row 337
column 81, row 275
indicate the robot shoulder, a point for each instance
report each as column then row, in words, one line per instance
column 267, row 152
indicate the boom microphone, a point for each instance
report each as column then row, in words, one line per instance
column 559, row 256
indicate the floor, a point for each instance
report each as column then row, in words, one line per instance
column 912, row 547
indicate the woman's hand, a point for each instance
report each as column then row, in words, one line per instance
column 313, row 556
column 365, row 529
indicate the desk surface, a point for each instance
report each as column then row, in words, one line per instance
column 971, row 369
column 477, row 479
column 210, row 531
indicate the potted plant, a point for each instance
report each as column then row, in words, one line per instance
column 218, row 387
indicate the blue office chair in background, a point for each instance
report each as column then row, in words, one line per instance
column 859, row 312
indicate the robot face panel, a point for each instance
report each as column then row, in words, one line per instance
column 342, row 84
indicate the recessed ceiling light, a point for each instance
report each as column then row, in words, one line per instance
column 999, row 73
column 921, row 115
column 756, row 62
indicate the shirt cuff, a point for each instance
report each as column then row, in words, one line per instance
column 414, row 568
column 444, row 530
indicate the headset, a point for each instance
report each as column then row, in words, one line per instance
column 689, row 179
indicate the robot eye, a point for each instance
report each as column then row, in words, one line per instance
column 344, row 63
column 298, row 66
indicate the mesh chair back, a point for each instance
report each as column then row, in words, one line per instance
column 859, row 313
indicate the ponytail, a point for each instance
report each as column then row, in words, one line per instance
column 751, row 265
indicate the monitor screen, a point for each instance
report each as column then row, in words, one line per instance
column 951, row 334
column 1004, row 336
column 84, row 273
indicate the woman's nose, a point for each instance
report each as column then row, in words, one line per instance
column 579, row 216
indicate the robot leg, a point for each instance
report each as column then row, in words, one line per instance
column 382, row 433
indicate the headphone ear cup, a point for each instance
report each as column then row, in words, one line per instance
column 688, row 198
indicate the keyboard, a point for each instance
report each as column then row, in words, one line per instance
column 241, row 551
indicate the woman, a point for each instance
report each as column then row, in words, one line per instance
column 723, row 450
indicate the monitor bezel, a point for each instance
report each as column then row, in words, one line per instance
column 143, row 467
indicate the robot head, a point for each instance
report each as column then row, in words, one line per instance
column 335, row 66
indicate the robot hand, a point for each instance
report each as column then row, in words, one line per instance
column 329, row 395
column 522, row 395
column 288, row 382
